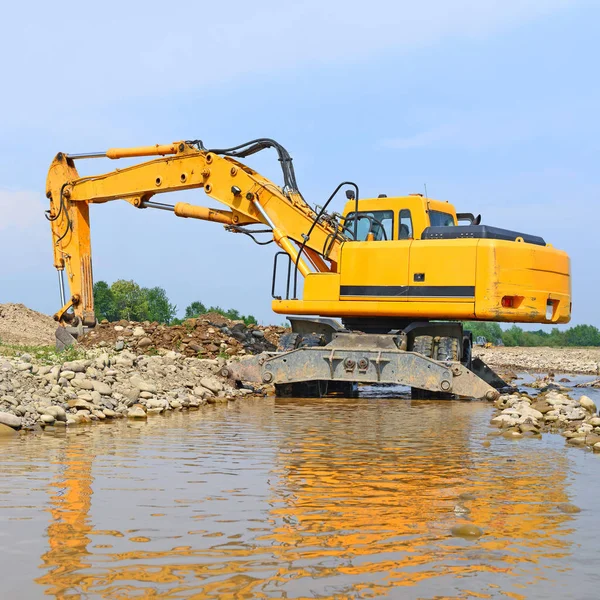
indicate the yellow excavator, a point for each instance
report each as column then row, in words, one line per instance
column 401, row 273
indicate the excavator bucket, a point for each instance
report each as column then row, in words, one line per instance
column 67, row 336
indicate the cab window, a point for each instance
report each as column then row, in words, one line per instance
column 405, row 232
column 440, row 219
column 380, row 223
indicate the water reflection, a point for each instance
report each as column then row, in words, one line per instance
column 69, row 531
column 299, row 499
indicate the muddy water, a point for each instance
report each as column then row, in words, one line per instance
column 298, row 499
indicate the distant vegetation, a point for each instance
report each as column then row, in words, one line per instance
column 580, row 335
column 127, row 300
column 195, row 309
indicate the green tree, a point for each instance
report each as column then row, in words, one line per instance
column 582, row 335
column 159, row 307
column 557, row 338
column 513, row 336
column 104, row 301
column 194, row 310
column 130, row 301
column 232, row 314
column 492, row 332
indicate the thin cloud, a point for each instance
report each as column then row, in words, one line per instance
column 133, row 51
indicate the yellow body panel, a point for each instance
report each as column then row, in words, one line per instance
column 536, row 275
column 375, row 264
column 463, row 279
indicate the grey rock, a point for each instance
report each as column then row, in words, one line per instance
column 82, row 384
column 137, row 412
column 79, row 403
column 141, row 385
column 107, row 402
column 9, row 400
column 10, row 420
column 588, row 404
column 56, row 412
column 131, row 394
column 212, row 384
column 78, row 366
column 155, row 403
column 48, row 419
column 119, row 345
column 102, row 388
column 575, row 414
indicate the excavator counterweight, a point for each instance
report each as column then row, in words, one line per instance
column 401, row 273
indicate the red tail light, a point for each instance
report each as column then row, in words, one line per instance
column 508, row 301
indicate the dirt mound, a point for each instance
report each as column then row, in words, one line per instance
column 209, row 336
column 21, row 325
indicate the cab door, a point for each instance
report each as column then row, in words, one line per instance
column 376, row 266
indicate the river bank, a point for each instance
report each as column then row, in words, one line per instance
column 100, row 386
column 557, row 360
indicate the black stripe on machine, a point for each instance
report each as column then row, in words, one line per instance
column 413, row 291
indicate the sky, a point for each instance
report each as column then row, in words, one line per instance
column 492, row 105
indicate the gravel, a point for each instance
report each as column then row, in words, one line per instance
column 559, row 360
column 105, row 386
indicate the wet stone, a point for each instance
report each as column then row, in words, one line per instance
column 137, row 412
column 6, row 431
column 102, row 388
column 467, row 531
column 568, row 508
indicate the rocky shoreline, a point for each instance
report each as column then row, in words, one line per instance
column 521, row 415
column 105, row 386
column 121, row 376
column 584, row 361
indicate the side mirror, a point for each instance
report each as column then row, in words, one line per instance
column 350, row 194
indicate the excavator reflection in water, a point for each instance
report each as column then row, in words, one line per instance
column 361, row 499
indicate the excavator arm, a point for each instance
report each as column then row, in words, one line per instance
column 249, row 197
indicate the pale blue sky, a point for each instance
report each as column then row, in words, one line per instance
column 494, row 105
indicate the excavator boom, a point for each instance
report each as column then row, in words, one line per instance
column 251, row 198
